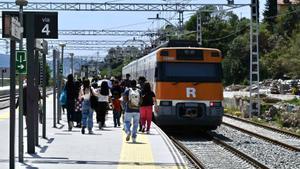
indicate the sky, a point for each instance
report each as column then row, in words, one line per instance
column 125, row 20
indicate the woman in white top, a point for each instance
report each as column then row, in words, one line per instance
column 87, row 112
column 103, row 94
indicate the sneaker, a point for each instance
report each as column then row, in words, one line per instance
column 133, row 140
column 100, row 125
column 91, row 132
column 83, row 130
column 128, row 137
column 70, row 126
column 143, row 130
column 148, row 131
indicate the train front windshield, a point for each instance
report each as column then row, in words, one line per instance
column 190, row 72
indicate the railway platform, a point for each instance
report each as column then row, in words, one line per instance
column 105, row 149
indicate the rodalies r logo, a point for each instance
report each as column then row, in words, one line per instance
column 190, row 92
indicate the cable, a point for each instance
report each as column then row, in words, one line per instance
column 227, row 36
column 113, row 1
column 238, row 31
column 134, row 24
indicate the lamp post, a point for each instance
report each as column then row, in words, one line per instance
column 21, row 3
column 62, row 45
column 72, row 63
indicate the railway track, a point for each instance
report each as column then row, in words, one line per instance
column 215, row 153
column 191, row 156
column 264, row 126
column 278, row 137
column 268, row 153
column 4, row 100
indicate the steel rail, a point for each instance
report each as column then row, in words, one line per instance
column 240, row 154
column 289, row 147
column 196, row 162
column 264, row 126
column 5, row 107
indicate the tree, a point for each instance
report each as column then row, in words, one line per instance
column 270, row 14
column 236, row 62
column 289, row 21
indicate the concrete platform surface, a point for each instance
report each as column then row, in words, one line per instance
column 105, row 149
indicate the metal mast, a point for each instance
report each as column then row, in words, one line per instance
column 254, row 60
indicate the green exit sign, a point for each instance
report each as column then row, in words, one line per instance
column 21, row 62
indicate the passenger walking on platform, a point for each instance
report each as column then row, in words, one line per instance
column 141, row 81
column 87, row 112
column 78, row 104
column 71, row 98
column 132, row 97
column 140, row 85
column 147, row 101
column 127, row 80
column 103, row 95
column 123, row 104
column 116, row 103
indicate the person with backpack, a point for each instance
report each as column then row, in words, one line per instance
column 103, row 94
column 87, row 112
column 71, row 98
column 147, row 101
column 132, row 97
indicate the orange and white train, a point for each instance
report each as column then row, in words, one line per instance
column 187, row 82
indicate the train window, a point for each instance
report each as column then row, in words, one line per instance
column 189, row 54
column 156, row 72
column 190, row 72
column 164, row 53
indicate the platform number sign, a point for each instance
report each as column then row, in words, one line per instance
column 46, row 25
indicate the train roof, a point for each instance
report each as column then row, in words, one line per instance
column 178, row 43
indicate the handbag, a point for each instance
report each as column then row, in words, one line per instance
column 93, row 100
column 63, row 97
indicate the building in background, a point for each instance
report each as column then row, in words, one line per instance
column 282, row 5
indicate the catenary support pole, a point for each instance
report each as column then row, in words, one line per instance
column 54, row 88
column 44, row 96
column 12, row 116
column 30, row 84
column 21, row 97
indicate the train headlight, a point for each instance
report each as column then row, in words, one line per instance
column 215, row 104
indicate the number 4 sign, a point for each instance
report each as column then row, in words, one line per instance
column 46, row 25
column 46, row 29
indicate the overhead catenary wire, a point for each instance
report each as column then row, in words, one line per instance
column 246, row 26
column 129, row 25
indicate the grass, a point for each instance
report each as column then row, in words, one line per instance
column 276, row 122
column 294, row 101
column 232, row 111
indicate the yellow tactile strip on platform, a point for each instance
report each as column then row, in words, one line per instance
column 139, row 155
column 4, row 116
